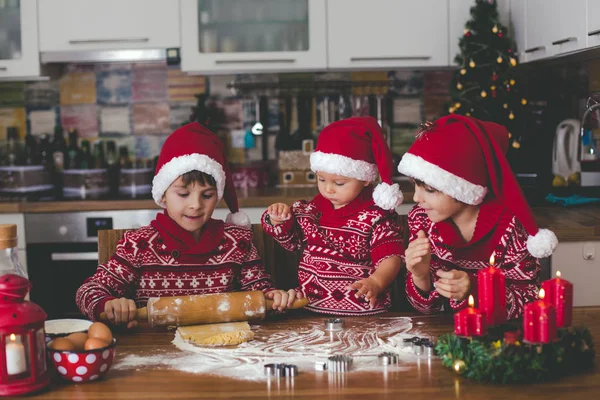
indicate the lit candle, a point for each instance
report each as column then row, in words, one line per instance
column 539, row 321
column 15, row 356
column 470, row 321
column 559, row 293
column 492, row 294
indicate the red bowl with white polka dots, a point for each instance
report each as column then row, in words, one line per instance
column 83, row 366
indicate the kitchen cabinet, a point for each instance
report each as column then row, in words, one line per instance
column 230, row 36
column 540, row 26
column 579, row 263
column 519, row 25
column 19, row 56
column 459, row 15
column 387, row 33
column 593, row 23
column 81, row 25
column 568, row 30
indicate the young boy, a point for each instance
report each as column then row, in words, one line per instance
column 350, row 239
column 183, row 251
column 469, row 206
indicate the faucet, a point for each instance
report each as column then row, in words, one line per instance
column 588, row 110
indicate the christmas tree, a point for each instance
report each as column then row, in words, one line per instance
column 484, row 85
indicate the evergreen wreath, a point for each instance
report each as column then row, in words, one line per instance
column 502, row 357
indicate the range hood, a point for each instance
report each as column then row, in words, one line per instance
column 171, row 55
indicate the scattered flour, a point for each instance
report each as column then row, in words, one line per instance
column 224, row 306
column 304, row 345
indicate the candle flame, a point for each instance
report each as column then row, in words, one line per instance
column 542, row 294
column 558, row 274
column 492, row 259
column 471, row 301
column 13, row 337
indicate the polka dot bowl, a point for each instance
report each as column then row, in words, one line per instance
column 83, row 366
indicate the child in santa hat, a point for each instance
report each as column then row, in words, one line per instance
column 349, row 234
column 469, row 206
column 183, row 251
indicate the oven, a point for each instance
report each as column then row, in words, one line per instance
column 62, row 251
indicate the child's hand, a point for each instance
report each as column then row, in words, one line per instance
column 279, row 213
column 453, row 284
column 368, row 288
column 121, row 311
column 418, row 256
column 282, row 299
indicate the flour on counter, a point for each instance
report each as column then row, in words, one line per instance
column 309, row 342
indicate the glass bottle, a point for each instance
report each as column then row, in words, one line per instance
column 72, row 150
column 31, row 154
column 12, row 145
column 9, row 254
column 85, row 159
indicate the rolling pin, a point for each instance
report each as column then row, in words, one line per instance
column 207, row 308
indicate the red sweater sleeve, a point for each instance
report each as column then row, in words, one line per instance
column 289, row 234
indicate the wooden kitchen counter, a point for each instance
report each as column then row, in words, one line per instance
column 581, row 223
column 420, row 380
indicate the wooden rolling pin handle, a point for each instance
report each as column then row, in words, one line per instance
column 298, row 303
column 141, row 314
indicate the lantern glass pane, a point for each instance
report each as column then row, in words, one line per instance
column 17, row 357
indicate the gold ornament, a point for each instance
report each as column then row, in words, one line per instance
column 483, row 94
column 511, row 116
column 466, row 31
column 472, row 64
column 457, row 105
column 505, row 106
column 509, row 135
column 463, row 71
column 523, row 101
column 495, row 29
column 512, row 82
column 499, row 60
column 468, row 114
column 493, row 87
column 459, row 86
column 451, row 110
column 459, row 366
column 516, row 145
column 513, row 62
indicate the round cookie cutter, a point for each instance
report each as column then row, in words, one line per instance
column 334, row 324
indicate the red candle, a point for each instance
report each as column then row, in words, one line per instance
column 539, row 321
column 492, row 294
column 559, row 293
column 470, row 321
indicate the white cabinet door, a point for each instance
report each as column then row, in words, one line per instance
column 579, row 263
column 519, row 25
column 570, row 18
column 540, row 27
column 19, row 55
column 232, row 36
column 387, row 33
column 593, row 23
column 73, row 25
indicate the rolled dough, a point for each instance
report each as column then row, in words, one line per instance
column 227, row 334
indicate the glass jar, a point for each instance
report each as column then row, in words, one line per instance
column 9, row 255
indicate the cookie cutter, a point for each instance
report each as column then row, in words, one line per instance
column 334, row 324
column 388, row 358
column 274, row 370
column 339, row 363
column 429, row 348
column 290, row 370
column 417, row 347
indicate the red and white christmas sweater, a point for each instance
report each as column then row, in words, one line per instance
column 339, row 247
column 163, row 259
column 496, row 231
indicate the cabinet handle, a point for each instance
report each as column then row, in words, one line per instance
column 562, row 41
column 383, row 58
column 594, row 33
column 3, row 69
column 118, row 40
column 534, row 49
column 280, row 60
column 87, row 256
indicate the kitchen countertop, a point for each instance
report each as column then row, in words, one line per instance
column 581, row 223
column 415, row 379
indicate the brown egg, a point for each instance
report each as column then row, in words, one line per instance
column 100, row 331
column 94, row 343
column 78, row 339
column 62, row 344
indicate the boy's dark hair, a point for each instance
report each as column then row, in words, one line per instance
column 420, row 183
column 198, row 177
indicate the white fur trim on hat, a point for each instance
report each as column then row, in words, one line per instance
column 239, row 218
column 341, row 165
column 542, row 244
column 388, row 196
column 454, row 186
column 181, row 165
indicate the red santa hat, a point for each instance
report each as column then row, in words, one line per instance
column 195, row 148
column 465, row 158
column 355, row 148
